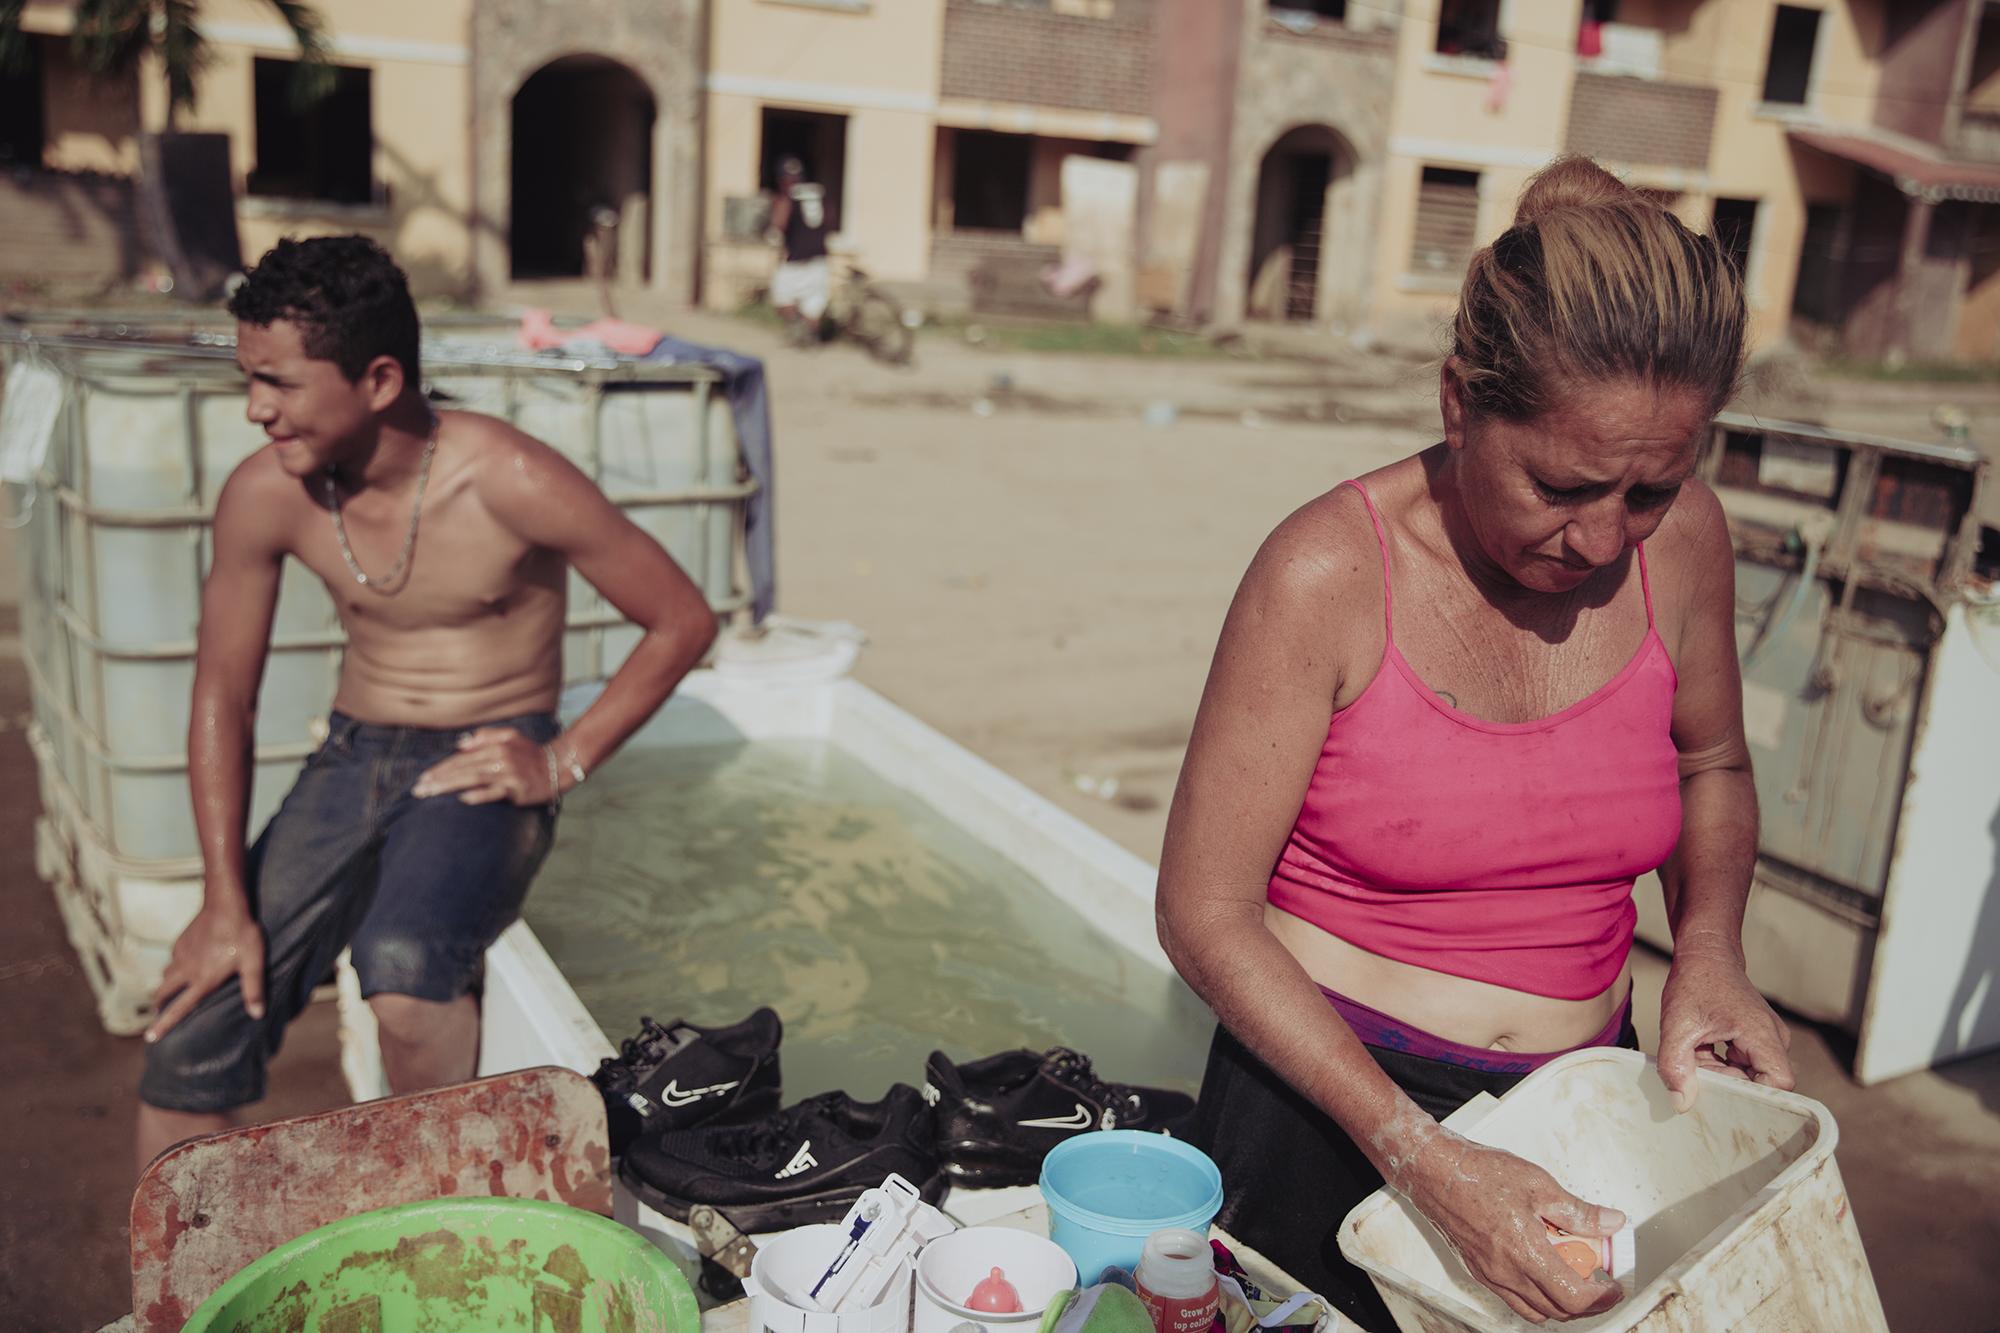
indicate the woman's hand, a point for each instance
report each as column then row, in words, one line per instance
column 492, row 764
column 1711, row 1017
column 1491, row 1207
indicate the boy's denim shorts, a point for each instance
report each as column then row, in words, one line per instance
column 418, row 888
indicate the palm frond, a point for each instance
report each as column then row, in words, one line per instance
column 314, row 77
column 308, row 29
column 13, row 42
column 110, row 36
column 183, row 50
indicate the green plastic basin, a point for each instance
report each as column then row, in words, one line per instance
column 458, row 1264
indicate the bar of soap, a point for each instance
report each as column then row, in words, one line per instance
column 1587, row 1254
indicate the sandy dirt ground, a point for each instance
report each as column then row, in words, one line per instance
column 1042, row 574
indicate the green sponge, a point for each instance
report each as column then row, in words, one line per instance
column 1105, row 1308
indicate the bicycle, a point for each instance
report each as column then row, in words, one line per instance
column 862, row 312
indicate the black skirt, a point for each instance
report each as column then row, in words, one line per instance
column 1290, row 1174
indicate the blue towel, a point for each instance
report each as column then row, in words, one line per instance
column 750, row 405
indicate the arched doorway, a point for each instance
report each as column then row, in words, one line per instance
column 1298, row 185
column 583, row 161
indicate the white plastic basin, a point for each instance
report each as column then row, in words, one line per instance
column 1741, row 1221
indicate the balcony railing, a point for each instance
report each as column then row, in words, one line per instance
column 1641, row 122
column 1030, row 52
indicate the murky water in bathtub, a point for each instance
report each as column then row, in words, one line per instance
column 702, row 881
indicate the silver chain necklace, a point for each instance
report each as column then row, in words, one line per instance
column 391, row 585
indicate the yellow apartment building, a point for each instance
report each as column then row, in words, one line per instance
column 1327, row 161
column 944, row 132
column 850, row 87
column 481, row 140
column 1670, row 94
column 379, row 155
column 967, row 145
column 1840, row 148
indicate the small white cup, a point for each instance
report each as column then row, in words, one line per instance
column 951, row 1266
column 784, row 1271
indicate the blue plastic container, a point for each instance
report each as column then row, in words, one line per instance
column 1109, row 1190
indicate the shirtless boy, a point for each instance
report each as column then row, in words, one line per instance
column 413, row 833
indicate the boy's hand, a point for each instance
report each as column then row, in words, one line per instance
column 219, row 943
column 492, row 764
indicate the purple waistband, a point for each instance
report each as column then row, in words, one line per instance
column 1376, row 1028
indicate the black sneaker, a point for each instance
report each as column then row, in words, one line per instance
column 807, row 1163
column 679, row 1076
column 998, row 1117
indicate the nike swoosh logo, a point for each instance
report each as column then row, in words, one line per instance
column 802, row 1161
column 1080, row 1118
column 673, row 1095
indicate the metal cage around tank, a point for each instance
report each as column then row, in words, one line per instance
column 118, row 537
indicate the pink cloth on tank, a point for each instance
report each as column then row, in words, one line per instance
column 1503, row 852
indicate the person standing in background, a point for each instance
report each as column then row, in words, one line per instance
column 799, row 227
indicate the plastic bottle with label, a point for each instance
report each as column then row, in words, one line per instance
column 1176, row 1281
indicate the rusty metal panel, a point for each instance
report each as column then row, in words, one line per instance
column 1828, row 710
column 207, row 1208
column 1855, row 555
column 1912, row 516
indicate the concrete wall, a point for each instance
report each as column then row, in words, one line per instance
column 1338, row 76
column 660, row 41
column 68, row 234
column 1920, row 66
column 1924, row 278
column 72, row 229
column 1933, row 281
column 1978, row 334
column 417, row 61
column 1503, row 122
column 1194, row 106
column 1044, row 225
column 1879, row 225
column 1982, row 71
column 1753, row 157
column 417, row 58
column 91, row 123
column 876, row 65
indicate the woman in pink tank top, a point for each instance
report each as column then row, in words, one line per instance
column 1458, row 707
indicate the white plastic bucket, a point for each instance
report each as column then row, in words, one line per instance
column 1740, row 1219
column 784, row 1272
column 951, row 1266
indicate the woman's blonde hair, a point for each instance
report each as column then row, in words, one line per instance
column 1594, row 282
